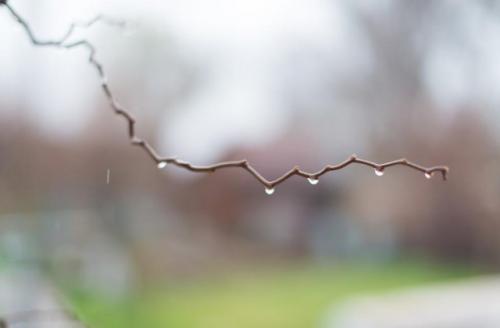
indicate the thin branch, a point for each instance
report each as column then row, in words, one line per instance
column 163, row 161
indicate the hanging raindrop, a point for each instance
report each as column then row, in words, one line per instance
column 269, row 191
column 162, row 165
column 379, row 172
column 428, row 175
column 313, row 181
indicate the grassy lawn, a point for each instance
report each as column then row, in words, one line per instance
column 290, row 298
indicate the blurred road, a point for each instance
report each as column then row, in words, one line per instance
column 26, row 300
column 474, row 303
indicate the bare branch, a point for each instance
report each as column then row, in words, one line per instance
column 163, row 161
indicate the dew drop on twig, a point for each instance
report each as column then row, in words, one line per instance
column 313, row 181
column 379, row 172
column 428, row 175
column 162, row 165
column 269, row 191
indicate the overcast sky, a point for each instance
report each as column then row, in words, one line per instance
column 244, row 42
column 242, row 39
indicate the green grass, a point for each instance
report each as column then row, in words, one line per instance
column 290, row 298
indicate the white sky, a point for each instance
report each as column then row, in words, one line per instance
column 243, row 41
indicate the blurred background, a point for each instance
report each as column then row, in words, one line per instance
column 281, row 83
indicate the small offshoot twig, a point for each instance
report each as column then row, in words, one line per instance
column 162, row 162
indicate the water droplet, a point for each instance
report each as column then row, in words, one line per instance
column 313, row 181
column 428, row 175
column 379, row 172
column 269, row 191
column 162, row 165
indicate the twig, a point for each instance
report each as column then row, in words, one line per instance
column 161, row 162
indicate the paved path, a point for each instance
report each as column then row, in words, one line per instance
column 26, row 300
column 472, row 303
